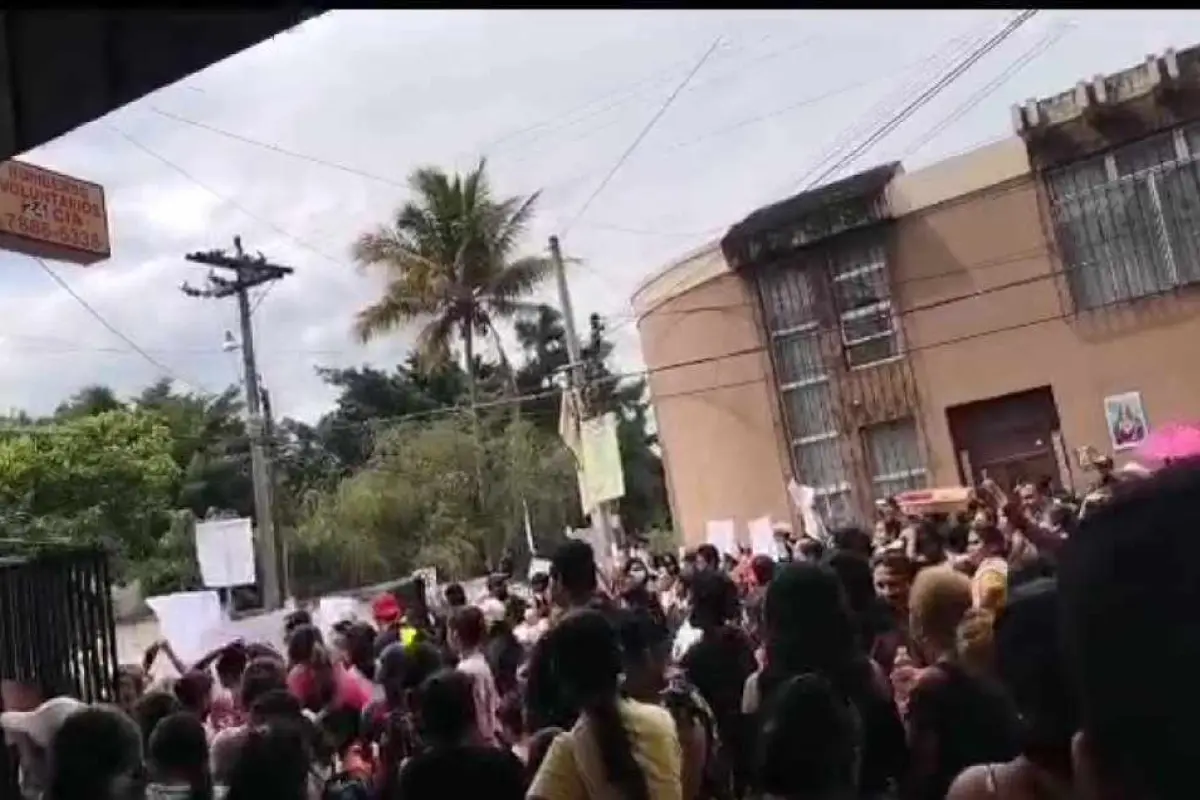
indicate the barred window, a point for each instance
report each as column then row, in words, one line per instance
column 864, row 302
column 895, row 456
column 1128, row 221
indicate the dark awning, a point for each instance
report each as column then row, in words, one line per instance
column 810, row 216
column 61, row 69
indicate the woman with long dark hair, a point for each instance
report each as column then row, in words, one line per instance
column 809, row 629
column 719, row 664
column 618, row 748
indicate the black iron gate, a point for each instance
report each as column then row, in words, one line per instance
column 57, row 632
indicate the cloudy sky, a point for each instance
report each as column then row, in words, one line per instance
column 553, row 99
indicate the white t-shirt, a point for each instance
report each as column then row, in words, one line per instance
column 685, row 637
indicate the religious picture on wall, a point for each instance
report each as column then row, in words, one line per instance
column 1126, row 418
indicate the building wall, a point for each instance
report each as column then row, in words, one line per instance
column 717, row 415
column 985, row 314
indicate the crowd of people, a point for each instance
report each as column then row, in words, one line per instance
column 1015, row 650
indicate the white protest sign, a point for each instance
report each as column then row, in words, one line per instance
column 762, row 537
column 186, row 619
column 539, row 565
column 331, row 610
column 722, row 534
column 225, row 552
column 805, row 498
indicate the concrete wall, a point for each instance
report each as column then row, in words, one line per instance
column 716, row 412
column 986, row 313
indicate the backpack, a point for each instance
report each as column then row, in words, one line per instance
column 688, row 707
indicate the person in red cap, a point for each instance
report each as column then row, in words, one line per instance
column 389, row 618
column 386, row 609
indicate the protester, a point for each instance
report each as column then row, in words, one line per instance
column 261, row 677
column 318, row 682
column 274, row 761
column 131, row 684
column 30, row 733
column 692, row 684
column 177, row 758
column 809, row 630
column 96, row 754
column 954, row 718
column 618, row 747
column 719, row 664
column 893, row 574
column 810, row 743
column 467, row 632
column 1129, row 581
column 1028, row 663
column 194, row 690
column 987, row 552
column 455, row 764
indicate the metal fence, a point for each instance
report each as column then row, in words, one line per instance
column 57, row 631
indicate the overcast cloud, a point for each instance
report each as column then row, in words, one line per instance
column 387, row 91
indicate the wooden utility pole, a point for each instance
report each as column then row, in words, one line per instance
column 575, row 375
column 249, row 272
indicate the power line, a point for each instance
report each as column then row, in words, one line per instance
column 115, row 331
column 642, row 135
column 1033, row 53
column 226, row 200
column 275, row 148
column 956, row 72
column 219, row 196
column 889, row 103
column 628, row 92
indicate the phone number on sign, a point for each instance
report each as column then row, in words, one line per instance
column 16, row 223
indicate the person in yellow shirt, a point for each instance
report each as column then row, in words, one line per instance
column 986, row 548
column 618, row 749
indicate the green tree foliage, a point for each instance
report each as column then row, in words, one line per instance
column 417, row 503
column 451, row 265
column 106, row 477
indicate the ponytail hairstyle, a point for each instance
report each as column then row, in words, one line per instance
column 587, row 665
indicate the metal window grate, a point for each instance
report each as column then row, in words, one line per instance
column 57, row 630
column 1128, row 222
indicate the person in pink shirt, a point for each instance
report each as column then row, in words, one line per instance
column 467, row 631
column 317, row 682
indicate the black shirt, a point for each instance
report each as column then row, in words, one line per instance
column 463, row 771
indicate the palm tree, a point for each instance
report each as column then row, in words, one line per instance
column 450, row 259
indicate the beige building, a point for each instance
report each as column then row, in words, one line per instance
column 988, row 314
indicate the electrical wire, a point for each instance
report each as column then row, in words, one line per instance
column 225, row 200
column 622, row 96
column 1039, row 49
column 923, row 99
column 115, row 331
column 928, row 68
column 637, row 140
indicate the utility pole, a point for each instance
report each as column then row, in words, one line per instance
column 249, row 272
column 575, row 373
column 285, row 555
